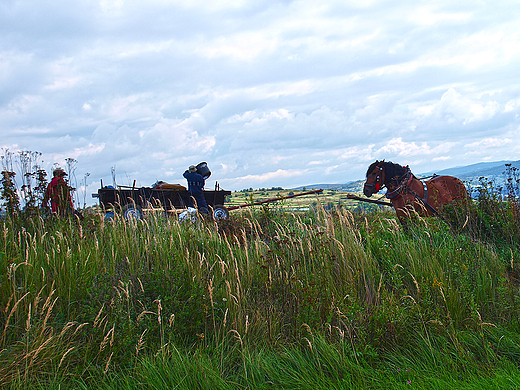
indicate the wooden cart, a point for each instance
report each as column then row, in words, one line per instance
column 134, row 202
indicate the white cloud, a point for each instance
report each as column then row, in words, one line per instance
column 489, row 143
column 244, row 46
column 401, row 148
column 398, row 147
column 278, row 175
column 78, row 153
column 441, row 158
column 429, row 15
column 466, row 109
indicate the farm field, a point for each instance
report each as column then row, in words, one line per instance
column 328, row 199
column 326, row 298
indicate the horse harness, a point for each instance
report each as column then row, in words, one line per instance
column 404, row 185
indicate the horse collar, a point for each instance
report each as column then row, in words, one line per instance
column 395, row 193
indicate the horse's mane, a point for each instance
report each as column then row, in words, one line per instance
column 393, row 171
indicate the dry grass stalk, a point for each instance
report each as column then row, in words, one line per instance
column 64, row 355
column 238, row 337
column 307, row 328
column 141, row 285
column 28, row 322
column 143, row 313
column 98, row 315
column 159, row 311
column 11, row 313
column 140, row 343
column 409, row 297
column 416, row 283
column 108, row 363
column 108, row 339
column 308, row 343
column 67, row 326
column 223, row 265
column 48, row 313
column 79, row 327
column 37, row 351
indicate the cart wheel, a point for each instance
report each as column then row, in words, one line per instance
column 109, row 216
column 220, row 212
column 131, row 211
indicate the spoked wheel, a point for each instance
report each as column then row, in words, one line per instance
column 110, row 216
column 220, row 213
column 131, row 211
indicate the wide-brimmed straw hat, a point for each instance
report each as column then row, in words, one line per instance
column 192, row 168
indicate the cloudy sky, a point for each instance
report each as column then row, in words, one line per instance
column 269, row 93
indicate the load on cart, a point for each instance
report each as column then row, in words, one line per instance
column 134, row 202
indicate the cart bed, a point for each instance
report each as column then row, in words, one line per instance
column 148, row 197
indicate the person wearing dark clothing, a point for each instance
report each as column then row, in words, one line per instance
column 196, row 187
column 58, row 193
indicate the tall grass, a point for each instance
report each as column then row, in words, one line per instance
column 265, row 300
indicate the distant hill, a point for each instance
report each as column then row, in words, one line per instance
column 463, row 170
column 472, row 173
column 352, row 186
column 469, row 174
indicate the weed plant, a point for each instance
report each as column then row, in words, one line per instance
column 326, row 299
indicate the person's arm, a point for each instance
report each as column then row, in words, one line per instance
column 45, row 198
column 47, row 195
column 70, row 198
column 65, row 196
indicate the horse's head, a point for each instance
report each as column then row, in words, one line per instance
column 375, row 178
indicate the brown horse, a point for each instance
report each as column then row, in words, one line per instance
column 408, row 193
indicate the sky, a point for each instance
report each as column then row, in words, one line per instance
column 268, row 93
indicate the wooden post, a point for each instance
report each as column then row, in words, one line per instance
column 380, row 202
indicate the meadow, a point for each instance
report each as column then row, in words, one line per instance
column 328, row 199
column 327, row 298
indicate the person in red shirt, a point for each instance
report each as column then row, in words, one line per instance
column 59, row 194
